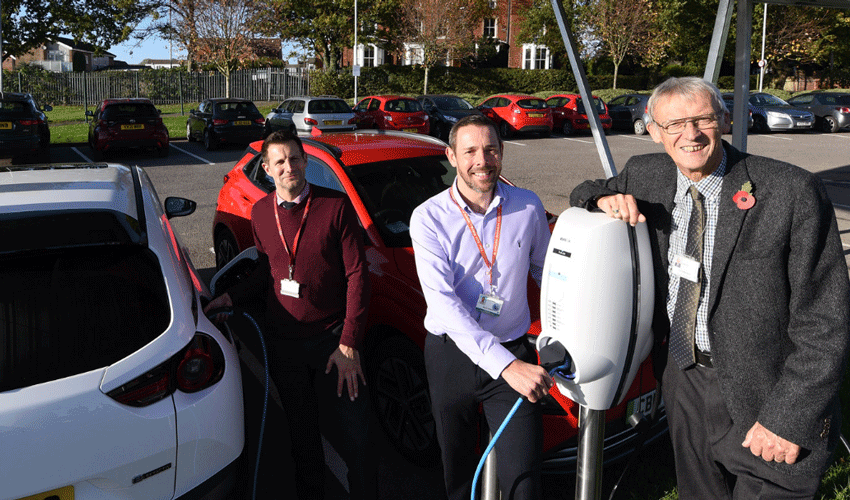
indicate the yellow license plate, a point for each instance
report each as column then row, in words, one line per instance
column 65, row 493
column 535, row 115
column 333, row 122
column 137, row 126
column 242, row 122
column 414, row 130
column 5, row 125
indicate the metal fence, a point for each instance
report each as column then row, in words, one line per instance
column 161, row 86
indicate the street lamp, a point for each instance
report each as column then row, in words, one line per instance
column 355, row 68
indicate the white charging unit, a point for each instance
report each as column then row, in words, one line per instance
column 597, row 299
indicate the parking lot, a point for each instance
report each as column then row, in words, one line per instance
column 551, row 167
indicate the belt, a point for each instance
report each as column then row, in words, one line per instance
column 704, row 359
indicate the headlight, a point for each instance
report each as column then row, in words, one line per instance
column 778, row 115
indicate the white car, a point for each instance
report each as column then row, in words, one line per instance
column 113, row 384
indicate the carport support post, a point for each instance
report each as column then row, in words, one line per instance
column 591, row 440
column 584, row 89
column 742, row 74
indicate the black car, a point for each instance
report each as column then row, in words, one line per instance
column 221, row 120
column 23, row 127
column 627, row 111
column 444, row 111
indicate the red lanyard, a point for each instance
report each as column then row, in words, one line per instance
column 478, row 238
column 291, row 254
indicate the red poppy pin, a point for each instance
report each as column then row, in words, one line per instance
column 744, row 198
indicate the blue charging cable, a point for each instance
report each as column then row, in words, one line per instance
column 563, row 370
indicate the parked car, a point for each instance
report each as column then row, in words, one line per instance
column 627, row 112
column 112, row 385
column 386, row 175
column 770, row 113
column 327, row 113
column 124, row 124
column 831, row 109
column 513, row 113
column 222, row 120
column 24, row 133
column 729, row 99
column 444, row 111
column 392, row 112
column 569, row 115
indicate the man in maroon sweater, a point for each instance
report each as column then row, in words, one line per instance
column 313, row 278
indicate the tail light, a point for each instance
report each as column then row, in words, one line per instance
column 310, row 121
column 515, row 109
column 27, row 123
column 352, row 121
column 843, row 110
column 260, row 121
column 197, row 366
column 218, row 121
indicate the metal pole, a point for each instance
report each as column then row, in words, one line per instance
column 356, row 76
column 742, row 73
column 762, row 62
column 718, row 41
column 591, row 439
column 489, row 479
column 1, row 46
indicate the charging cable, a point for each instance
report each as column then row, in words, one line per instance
column 229, row 313
column 563, row 370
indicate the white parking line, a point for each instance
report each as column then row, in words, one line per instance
column 639, row 138
column 84, row 157
column 837, row 136
column 777, row 137
column 192, row 155
column 578, row 140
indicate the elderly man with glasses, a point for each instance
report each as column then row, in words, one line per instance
column 752, row 315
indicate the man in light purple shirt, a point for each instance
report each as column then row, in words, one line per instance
column 475, row 244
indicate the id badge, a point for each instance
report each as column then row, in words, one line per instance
column 290, row 288
column 686, row 267
column 490, row 304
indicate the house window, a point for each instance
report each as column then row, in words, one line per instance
column 535, row 56
column 490, row 28
column 493, row 4
column 369, row 56
column 413, row 54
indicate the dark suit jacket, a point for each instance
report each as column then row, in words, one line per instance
column 779, row 299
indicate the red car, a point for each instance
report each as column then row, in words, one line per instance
column 518, row 113
column 392, row 112
column 386, row 175
column 569, row 115
column 126, row 123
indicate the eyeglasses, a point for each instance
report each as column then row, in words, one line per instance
column 702, row 122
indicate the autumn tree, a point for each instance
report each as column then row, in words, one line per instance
column 177, row 21
column 28, row 24
column 440, row 31
column 538, row 25
column 327, row 26
column 224, row 34
column 627, row 27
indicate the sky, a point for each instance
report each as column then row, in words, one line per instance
column 151, row 48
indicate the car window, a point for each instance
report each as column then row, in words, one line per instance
column 618, row 101
column 802, row 99
column 844, row 100
column 392, row 189
column 827, row 99
column 255, row 172
column 77, row 308
column 319, row 173
column 374, row 105
column 403, row 106
column 490, row 103
column 320, row 106
column 120, row 111
column 452, row 103
column 236, row 108
column 14, row 108
column 531, row 103
column 298, row 106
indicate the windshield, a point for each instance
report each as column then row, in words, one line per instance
column 125, row 111
column 235, row 108
column 452, row 103
column 531, row 103
column 328, row 106
column 768, row 100
column 403, row 106
column 392, row 189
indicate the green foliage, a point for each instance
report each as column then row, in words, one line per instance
column 37, row 81
column 339, row 83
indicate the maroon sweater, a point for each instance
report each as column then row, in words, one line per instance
column 330, row 265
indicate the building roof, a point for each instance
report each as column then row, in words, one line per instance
column 80, row 46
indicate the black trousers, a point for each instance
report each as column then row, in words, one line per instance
column 457, row 388
column 309, row 397
column 711, row 464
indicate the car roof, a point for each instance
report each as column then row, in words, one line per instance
column 228, row 99
column 122, row 100
column 97, row 186
column 15, row 96
column 516, row 96
column 360, row 147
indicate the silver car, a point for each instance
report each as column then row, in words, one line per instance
column 771, row 113
column 327, row 113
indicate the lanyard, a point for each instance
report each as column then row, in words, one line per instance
column 478, row 238
column 291, row 254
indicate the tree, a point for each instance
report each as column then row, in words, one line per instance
column 28, row 24
column 327, row 26
column 223, row 34
column 177, row 20
column 797, row 35
column 441, row 30
column 539, row 26
column 628, row 27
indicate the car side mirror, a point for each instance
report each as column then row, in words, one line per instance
column 179, row 207
column 47, row 107
column 159, row 111
column 89, row 113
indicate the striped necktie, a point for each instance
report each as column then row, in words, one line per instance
column 683, row 326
